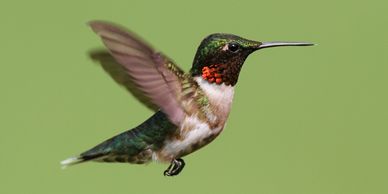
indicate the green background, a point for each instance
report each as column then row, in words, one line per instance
column 305, row 120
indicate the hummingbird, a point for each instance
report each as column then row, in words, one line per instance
column 193, row 106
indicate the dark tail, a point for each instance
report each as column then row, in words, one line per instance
column 80, row 159
column 98, row 152
column 129, row 143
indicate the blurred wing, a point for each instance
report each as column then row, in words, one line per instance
column 154, row 74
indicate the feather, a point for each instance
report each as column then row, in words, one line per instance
column 154, row 74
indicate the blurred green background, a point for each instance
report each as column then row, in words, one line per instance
column 309, row 120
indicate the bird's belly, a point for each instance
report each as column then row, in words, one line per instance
column 192, row 135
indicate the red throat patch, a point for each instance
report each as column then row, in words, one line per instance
column 213, row 73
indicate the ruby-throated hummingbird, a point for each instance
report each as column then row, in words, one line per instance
column 193, row 106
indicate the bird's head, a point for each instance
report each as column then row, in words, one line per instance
column 219, row 57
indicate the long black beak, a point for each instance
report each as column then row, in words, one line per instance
column 276, row 44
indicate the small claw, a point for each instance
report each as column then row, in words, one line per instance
column 166, row 173
column 175, row 167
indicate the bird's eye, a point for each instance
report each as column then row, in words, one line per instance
column 233, row 47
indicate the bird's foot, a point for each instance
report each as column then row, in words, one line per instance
column 175, row 167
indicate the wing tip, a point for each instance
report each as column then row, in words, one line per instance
column 97, row 25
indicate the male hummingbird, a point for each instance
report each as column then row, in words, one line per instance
column 194, row 106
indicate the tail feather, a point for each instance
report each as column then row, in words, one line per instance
column 79, row 159
column 130, row 145
column 71, row 161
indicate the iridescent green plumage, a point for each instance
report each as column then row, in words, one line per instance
column 128, row 146
column 193, row 106
column 212, row 51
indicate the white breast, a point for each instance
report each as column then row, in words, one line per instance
column 220, row 97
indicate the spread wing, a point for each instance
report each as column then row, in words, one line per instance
column 154, row 74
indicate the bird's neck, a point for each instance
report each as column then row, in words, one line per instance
column 220, row 97
column 214, row 74
column 218, row 73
